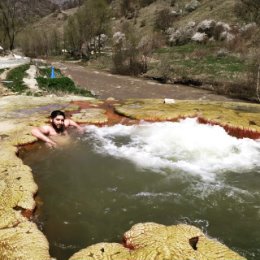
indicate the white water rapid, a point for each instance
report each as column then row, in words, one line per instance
column 204, row 150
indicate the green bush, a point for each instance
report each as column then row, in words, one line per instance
column 63, row 84
column 16, row 76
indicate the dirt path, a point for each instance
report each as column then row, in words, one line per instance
column 106, row 85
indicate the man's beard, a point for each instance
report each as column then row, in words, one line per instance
column 58, row 130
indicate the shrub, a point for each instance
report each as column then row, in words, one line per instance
column 16, row 76
column 143, row 23
column 163, row 20
column 126, row 64
column 127, row 57
column 164, row 69
column 173, row 2
column 249, row 87
column 63, row 84
column 253, row 76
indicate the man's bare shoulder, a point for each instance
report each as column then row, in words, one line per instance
column 46, row 128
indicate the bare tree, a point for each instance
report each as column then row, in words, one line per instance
column 73, row 39
column 258, row 84
column 12, row 17
column 84, row 30
column 129, row 53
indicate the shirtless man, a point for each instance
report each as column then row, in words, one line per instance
column 51, row 134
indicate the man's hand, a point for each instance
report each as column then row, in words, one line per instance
column 72, row 123
column 51, row 144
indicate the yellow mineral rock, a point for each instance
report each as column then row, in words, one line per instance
column 151, row 241
column 91, row 116
column 232, row 116
column 23, row 242
column 103, row 251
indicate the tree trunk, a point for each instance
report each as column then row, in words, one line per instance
column 258, row 83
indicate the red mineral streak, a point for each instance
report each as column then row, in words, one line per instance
column 85, row 104
column 27, row 213
column 115, row 118
column 239, row 132
column 127, row 243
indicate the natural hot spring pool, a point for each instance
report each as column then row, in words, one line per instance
column 114, row 177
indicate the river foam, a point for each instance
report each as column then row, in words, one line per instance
column 199, row 149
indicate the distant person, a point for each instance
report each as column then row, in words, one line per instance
column 55, row 133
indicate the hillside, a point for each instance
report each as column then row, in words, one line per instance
column 208, row 9
column 40, row 8
column 55, row 20
column 216, row 10
column 204, row 43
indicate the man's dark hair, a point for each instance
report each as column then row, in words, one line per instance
column 56, row 113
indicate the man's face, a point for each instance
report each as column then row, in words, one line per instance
column 58, row 123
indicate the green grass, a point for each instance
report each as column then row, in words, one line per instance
column 187, row 49
column 197, row 60
column 56, row 85
column 16, row 76
column 225, row 67
column 182, row 49
column 62, row 84
column 59, row 84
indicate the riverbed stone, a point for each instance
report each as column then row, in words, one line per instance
column 103, row 251
column 10, row 217
column 151, row 241
column 72, row 107
column 91, row 116
column 23, row 242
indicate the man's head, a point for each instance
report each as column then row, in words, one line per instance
column 57, row 120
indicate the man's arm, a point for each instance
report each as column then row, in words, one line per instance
column 41, row 133
column 72, row 123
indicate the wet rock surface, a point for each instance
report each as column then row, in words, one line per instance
column 23, row 241
column 238, row 119
column 91, row 116
column 154, row 241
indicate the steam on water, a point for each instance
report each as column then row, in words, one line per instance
column 195, row 148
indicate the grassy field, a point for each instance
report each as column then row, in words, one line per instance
column 201, row 61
